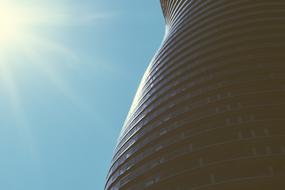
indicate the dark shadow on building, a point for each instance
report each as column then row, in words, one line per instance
column 210, row 111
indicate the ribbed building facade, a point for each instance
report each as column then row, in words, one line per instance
column 210, row 111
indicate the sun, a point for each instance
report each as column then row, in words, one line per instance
column 9, row 25
column 35, row 38
column 13, row 22
column 27, row 38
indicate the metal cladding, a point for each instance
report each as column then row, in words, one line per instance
column 210, row 111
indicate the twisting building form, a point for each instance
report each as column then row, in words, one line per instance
column 210, row 111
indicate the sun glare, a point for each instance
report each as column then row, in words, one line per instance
column 26, row 39
column 30, row 33
column 13, row 22
column 9, row 25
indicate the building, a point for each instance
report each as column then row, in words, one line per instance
column 210, row 111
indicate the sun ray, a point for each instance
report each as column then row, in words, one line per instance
column 54, row 76
column 16, row 36
column 23, row 35
column 24, row 132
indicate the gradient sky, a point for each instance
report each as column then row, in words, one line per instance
column 68, row 72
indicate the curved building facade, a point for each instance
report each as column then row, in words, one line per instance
column 210, row 111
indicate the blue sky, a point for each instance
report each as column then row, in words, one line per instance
column 68, row 72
